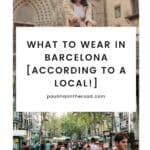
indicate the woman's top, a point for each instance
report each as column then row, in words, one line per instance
column 73, row 12
column 79, row 11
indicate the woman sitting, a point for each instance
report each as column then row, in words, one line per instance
column 78, row 13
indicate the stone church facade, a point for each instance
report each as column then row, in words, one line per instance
column 50, row 12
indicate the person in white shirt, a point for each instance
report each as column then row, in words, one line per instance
column 93, row 146
column 78, row 13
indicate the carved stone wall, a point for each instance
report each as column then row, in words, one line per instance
column 49, row 12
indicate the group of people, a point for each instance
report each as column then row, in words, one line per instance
column 71, row 145
column 120, row 141
column 37, row 146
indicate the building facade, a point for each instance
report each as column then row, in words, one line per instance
column 49, row 12
column 122, row 12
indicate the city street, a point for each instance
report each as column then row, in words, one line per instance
column 73, row 131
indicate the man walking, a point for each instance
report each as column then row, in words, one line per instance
column 121, row 141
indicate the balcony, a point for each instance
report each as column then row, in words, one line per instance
column 132, row 14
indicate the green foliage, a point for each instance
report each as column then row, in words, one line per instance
column 75, row 124
column 72, row 126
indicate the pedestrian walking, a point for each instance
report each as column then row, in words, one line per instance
column 121, row 141
column 24, row 146
column 47, row 145
column 37, row 146
column 93, row 145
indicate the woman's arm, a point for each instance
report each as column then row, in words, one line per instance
column 69, row 11
column 88, row 18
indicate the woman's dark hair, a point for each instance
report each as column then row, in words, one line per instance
column 120, row 136
column 52, row 146
column 83, row 2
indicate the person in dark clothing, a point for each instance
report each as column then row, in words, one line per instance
column 42, row 146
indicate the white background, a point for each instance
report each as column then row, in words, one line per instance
column 6, row 121
column 120, row 89
column 6, row 76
